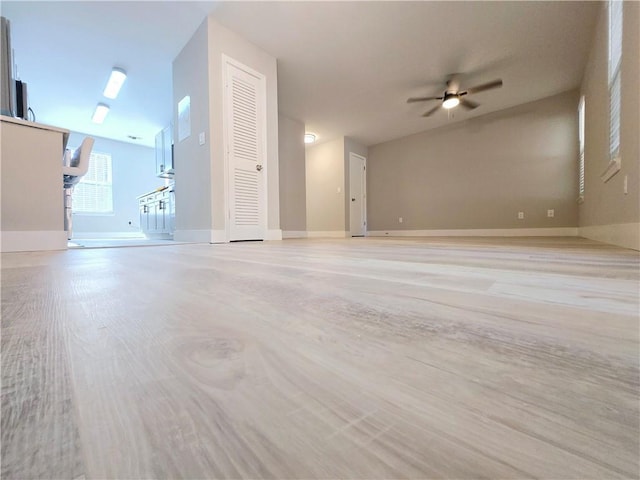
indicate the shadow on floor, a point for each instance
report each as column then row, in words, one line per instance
column 118, row 242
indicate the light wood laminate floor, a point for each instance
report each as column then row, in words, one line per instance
column 358, row 358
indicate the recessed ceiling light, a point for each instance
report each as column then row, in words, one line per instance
column 117, row 78
column 309, row 137
column 100, row 113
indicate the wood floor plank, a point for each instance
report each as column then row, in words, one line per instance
column 40, row 437
column 363, row 358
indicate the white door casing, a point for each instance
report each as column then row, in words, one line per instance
column 245, row 150
column 357, row 195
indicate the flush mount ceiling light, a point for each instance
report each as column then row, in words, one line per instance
column 100, row 113
column 309, row 137
column 450, row 100
column 117, row 78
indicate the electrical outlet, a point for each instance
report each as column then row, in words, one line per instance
column 520, row 215
column 399, row 219
column 550, row 213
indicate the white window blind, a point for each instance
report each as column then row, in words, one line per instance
column 581, row 118
column 615, row 63
column 94, row 193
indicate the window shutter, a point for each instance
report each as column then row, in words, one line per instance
column 94, row 192
column 615, row 37
column 581, row 138
column 614, row 117
column 615, row 65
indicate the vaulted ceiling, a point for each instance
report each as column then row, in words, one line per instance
column 344, row 68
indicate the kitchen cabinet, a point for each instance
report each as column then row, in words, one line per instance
column 164, row 153
column 157, row 213
column 31, row 210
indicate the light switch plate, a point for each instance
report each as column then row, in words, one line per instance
column 201, row 138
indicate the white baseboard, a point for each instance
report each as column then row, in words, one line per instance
column 477, row 232
column 219, row 236
column 32, row 241
column 215, row 236
column 99, row 235
column 294, row 234
column 193, row 236
column 625, row 235
column 274, row 234
column 328, row 234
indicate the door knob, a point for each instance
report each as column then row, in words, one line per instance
column 259, row 167
column 353, row 199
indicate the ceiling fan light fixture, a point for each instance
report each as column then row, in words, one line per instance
column 450, row 101
column 309, row 137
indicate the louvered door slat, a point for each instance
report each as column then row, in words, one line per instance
column 245, row 100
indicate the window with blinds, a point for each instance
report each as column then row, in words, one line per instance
column 94, row 193
column 615, row 63
column 581, row 118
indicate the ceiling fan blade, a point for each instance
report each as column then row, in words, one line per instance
column 484, row 86
column 468, row 104
column 432, row 111
column 422, row 99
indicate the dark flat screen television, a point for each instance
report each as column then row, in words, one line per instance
column 22, row 105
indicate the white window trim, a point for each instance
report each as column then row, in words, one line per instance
column 613, row 167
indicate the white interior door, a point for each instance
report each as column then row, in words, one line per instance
column 245, row 101
column 357, row 195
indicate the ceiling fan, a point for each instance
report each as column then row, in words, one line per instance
column 453, row 96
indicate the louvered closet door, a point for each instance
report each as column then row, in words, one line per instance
column 246, row 103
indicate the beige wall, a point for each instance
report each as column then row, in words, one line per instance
column 606, row 203
column 325, row 182
column 291, row 153
column 223, row 41
column 192, row 161
column 201, row 213
column 480, row 173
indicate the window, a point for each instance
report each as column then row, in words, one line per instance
column 94, row 193
column 615, row 63
column 581, row 117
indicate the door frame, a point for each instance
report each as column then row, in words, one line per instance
column 364, row 191
column 226, row 61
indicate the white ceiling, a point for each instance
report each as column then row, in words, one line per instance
column 344, row 68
